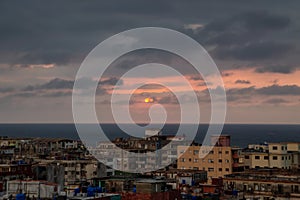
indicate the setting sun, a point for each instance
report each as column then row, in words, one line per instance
column 148, row 100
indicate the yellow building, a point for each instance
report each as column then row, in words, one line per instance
column 256, row 160
column 217, row 163
column 282, row 155
column 279, row 155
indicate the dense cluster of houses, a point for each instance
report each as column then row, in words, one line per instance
column 62, row 168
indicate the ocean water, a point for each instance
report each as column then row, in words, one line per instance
column 241, row 134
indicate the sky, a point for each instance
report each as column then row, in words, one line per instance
column 255, row 45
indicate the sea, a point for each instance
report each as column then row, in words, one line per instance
column 241, row 134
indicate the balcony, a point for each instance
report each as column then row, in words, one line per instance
column 235, row 156
column 234, row 165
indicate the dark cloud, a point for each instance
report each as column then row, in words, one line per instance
column 6, row 90
column 196, row 78
column 57, row 94
column 276, row 101
column 254, row 51
column 200, row 81
column 238, row 94
column 233, row 29
column 226, row 74
column 205, row 84
column 148, row 55
column 241, row 91
column 110, row 81
column 168, row 100
column 254, row 36
column 41, row 93
column 62, row 87
column 280, row 90
column 152, row 86
column 282, row 69
column 59, row 83
column 32, row 33
column 242, row 82
column 243, row 28
column 56, row 83
column 268, row 90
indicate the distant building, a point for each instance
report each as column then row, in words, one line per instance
column 256, row 159
column 69, row 174
column 32, row 189
column 152, row 132
column 139, row 188
column 264, row 183
column 18, row 170
column 120, row 154
column 220, row 140
column 217, row 163
column 282, row 155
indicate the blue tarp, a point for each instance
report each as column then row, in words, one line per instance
column 20, row 197
column 92, row 190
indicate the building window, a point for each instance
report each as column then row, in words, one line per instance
column 220, row 169
column 182, row 160
column 275, row 158
column 210, row 161
column 226, row 152
column 211, row 152
column 220, row 152
column 196, row 152
column 246, row 157
column 257, row 157
column 195, row 168
column 282, row 148
column 195, row 160
column 190, row 160
column 220, row 160
column 266, row 157
column 227, row 169
column 275, row 148
column 282, row 157
column 210, row 169
column 296, row 189
column 227, row 161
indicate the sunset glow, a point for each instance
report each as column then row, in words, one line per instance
column 149, row 100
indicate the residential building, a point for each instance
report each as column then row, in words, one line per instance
column 256, row 159
column 217, row 163
column 282, row 155
column 264, row 183
column 124, row 154
column 279, row 156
